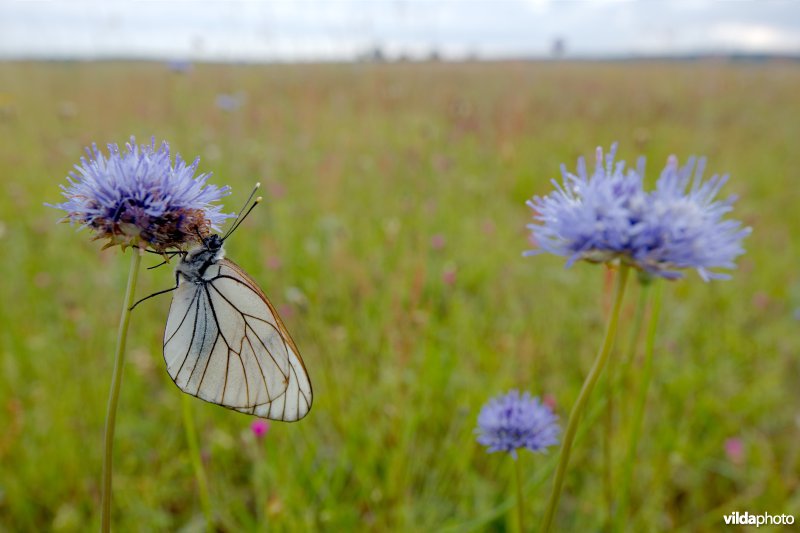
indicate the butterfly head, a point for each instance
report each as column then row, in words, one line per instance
column 194, row 264
column 213, row 243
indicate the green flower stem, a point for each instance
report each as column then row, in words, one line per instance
column 116, row 382
column 608, row 435
column 583, row 396
column 197, row 462
column 638, row 317
column 520, row 496
column 615, row 376
column 639, row 404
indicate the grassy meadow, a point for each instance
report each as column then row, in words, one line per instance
column 390, row 240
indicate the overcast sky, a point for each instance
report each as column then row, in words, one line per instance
column 342, row 29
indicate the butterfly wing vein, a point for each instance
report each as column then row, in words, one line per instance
column 225, row 344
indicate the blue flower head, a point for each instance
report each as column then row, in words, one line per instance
column 140, row 197
column 684, row 226
column 512, row 421
column 608, row 216
column 591, row 217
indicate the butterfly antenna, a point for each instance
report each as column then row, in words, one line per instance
column 243, row 214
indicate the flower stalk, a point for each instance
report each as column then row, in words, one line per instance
column 645, row 283
column 639, row 404
column 583, row 397
column 116, row 382
column 520, row 496
column 197, row 461
column 608, row 438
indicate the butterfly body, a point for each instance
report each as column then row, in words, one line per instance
column 194, row 264
column 225, row 343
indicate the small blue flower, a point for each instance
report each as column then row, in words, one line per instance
column 179, row 66
column 592, row 217
column 139, row 197
column 608, row 216
column 512, row 421
column 684, row 225
column 229, row 102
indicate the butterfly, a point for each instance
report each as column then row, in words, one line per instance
column 224, row 341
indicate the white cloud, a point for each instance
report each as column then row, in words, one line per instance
column 754, row 37
column 538, row 6
column 287, row 29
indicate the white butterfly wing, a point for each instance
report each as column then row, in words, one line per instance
column 226, row 344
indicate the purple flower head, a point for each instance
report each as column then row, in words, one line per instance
column 684, row 226
column 229, row 102
column 512, row 421
column 259, row 427
column 179, row 66
column 140, row 197
column 591, row 217
column 608, row 216
column 734, row 449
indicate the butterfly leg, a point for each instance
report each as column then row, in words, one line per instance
column 166, row 255
column 165, row 262
column 177, row 282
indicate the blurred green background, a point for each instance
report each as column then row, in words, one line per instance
column 390, row 240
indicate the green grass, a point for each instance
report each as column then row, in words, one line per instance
column 361, row 166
